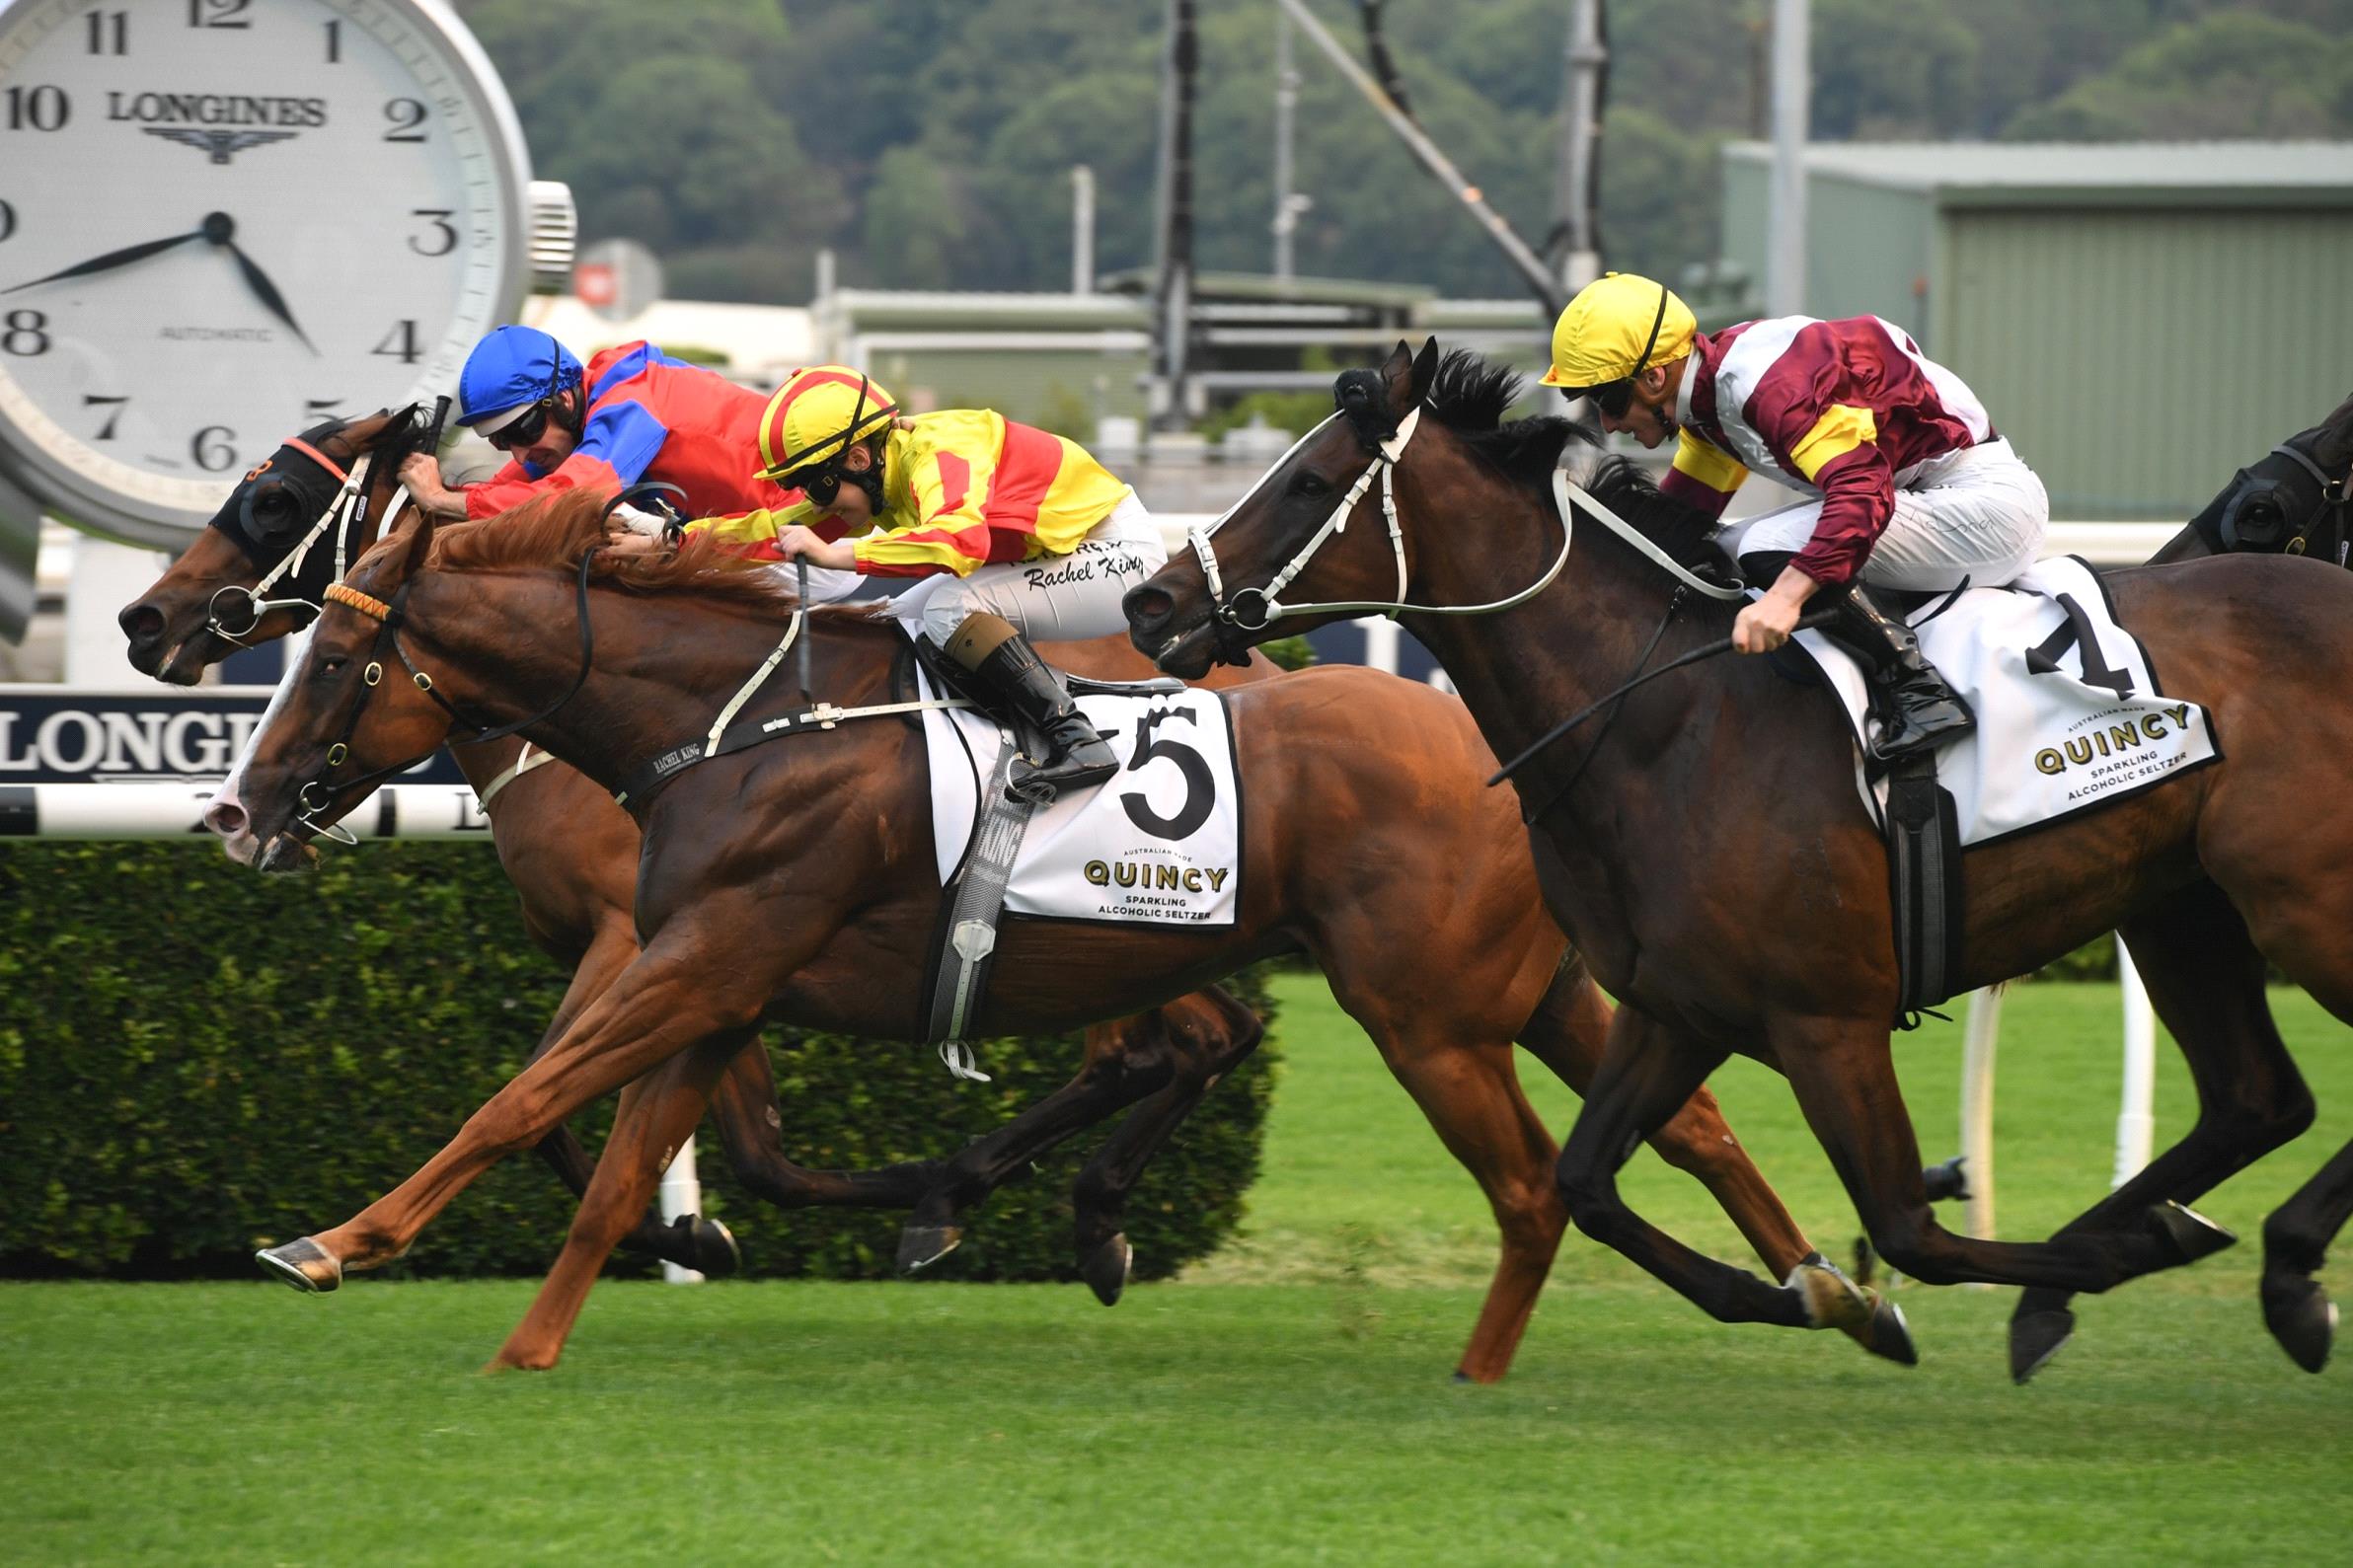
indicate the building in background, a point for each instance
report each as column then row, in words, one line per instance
column 2141, row 319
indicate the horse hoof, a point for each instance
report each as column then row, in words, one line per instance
column 2191, row 1234
column 921, row 1245
column 1829, row 1299
column 1107, row 1267
column 2302, row 1319
column 711, row 1246
column 2035, row 1337
column 302, row 1263
column 1887, row 1333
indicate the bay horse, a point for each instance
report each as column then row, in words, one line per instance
column 290, row 528
column 801, row 873
column 1706, row 851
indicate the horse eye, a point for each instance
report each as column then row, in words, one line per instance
column 1311, row 483
column 328, row 666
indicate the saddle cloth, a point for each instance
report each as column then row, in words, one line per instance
column 2069, row 713
column 1159, row 844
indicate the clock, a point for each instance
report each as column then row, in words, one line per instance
column 222, row 221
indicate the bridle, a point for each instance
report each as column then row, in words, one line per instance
column 316, row 794
column 345, row 514
column 1251, row 610
column 2335, row 502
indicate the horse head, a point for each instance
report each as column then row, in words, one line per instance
column 279, row 527
column 1311, row 523
column 336, row 720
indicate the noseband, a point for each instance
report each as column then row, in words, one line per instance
column 316, row 794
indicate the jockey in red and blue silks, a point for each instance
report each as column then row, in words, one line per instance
column 632, row 415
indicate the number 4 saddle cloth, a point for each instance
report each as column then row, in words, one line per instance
column 2070, row 716
column 1159, row 844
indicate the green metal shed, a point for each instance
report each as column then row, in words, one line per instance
column 2141, row 319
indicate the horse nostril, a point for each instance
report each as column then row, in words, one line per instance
column 1147, row 608
column 226, row 818
column 141, row 622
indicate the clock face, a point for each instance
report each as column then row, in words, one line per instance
column 224, row 220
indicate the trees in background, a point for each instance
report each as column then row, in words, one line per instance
column 929, row 141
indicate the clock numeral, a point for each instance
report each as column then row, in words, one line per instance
column 105, row 431
column 447, row 235
column 219, row 13
column 109, row 31
column 211, row 449
column 8, row 222
column 401, row 344
column 26, row 335
column 408, row 116
column 335, row 43
column 42, row 107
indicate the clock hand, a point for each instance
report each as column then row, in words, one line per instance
column 111, row 260
column 267, row 291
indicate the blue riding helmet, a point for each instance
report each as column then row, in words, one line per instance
column 511, row 370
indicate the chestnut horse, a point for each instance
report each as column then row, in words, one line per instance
column 573, row 856
column 1705, row 850
column 801, row 873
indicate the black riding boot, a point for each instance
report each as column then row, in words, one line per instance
column 1918, row 711
column 1012, row 678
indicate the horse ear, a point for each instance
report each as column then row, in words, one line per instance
column 1396, row 376
column 412, row 543
column 1425, row 371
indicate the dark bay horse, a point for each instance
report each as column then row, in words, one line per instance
column 801, row 873
column 314, row 507
column 1709, row 856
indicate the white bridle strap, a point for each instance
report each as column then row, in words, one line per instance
column 1565, row 487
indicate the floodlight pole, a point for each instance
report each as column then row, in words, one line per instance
column 1286, row 113
column 1575, row 250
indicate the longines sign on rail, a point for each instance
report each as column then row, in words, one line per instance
column 55, row 734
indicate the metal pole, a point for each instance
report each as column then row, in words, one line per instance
column 2136, row 1120
column 1524, row 261
column 1176, row 283
column 1082, row 229
column 1979, row 1037
column 1577, row 184
column 1286, row 113
column 1793, row 87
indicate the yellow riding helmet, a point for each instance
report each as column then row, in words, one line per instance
column 1618, row 325
column 820, row 412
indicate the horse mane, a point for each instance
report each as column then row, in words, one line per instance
column 1468, row 395
column 556, row 531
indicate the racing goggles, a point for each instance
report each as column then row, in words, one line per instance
column 524, row 430
column 1615, row 397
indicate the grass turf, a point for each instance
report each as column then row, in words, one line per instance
column 1285, row 1402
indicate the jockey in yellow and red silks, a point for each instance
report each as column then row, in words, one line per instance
column 1017, row 532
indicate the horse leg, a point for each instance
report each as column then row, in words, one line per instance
column 1124, row 1061
column 2205, row 979
column 671, row 997
column 1845, row 1081
column 1211, row 1033
column 743, row 1107
column 657, row 1114
column 1567, row 1033
column 692, row 1242
column 2296, row 1239
column 1646, row 1073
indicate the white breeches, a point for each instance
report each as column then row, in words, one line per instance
column 1978, row 514
column 825, row 583
column 1054, row 598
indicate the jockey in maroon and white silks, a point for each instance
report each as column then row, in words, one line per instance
column 1908, row 485
column 1854, row 411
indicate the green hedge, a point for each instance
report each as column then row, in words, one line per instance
column 195, row 1060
